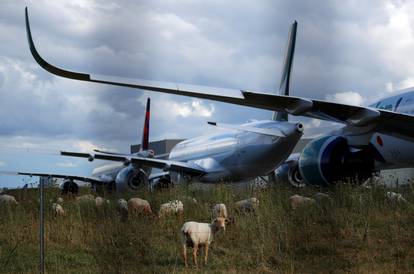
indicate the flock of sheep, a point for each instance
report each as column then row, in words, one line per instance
column 192, row 234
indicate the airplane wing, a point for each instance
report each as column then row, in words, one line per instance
column 151, row 162
column 354, row 116
column 86, row 179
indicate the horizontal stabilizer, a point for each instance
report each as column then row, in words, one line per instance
column 264, row 131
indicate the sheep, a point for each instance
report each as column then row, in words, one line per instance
column 59, row 200
column 85, row 198
column 122, row 207
column 247, row 205
column 137, row 205
column 193, row 234
column 58, row 210
column 8, row 199
column 396, row 197
column 219, row 210
column 175, row 207
column 297, row 201
column 100, row 202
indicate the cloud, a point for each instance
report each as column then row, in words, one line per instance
column 347, row 97
column 2, row 163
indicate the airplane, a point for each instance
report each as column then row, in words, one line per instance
column 240, row 153
column 372, row 138
column 114, row 176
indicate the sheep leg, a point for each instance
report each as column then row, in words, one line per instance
column 206, row 253
column 195, row 248
column 185, row 255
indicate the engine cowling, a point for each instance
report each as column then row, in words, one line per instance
column 330, row 159
column 131, row 178
column 289, row 173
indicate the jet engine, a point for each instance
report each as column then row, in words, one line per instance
column 289, row 172
column 330, row 159
column 132, row 178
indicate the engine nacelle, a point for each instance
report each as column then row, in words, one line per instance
column 289, row 173
column 330, row 159
column 130, row 177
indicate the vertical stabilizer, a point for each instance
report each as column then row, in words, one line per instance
column 287, row 70
column 145, row 132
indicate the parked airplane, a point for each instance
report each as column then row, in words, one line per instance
column 114, row 176
column 243, row 152
column 376, row 137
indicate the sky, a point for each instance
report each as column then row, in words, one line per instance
column 352, row 52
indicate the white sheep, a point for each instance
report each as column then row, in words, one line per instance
column 85, row 198
column 194, row 234
column 396, row 197
column 122, row 207
column 172, row 207
column 296, row 201
column 100, row 202
column 138, row 205
column 58, row 210
column 247, row 205
column 8, row 199
column 219, row 210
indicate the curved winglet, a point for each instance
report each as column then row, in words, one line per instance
column 46, row 65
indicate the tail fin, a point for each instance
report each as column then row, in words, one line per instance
column 286, row 70
column 145, row 133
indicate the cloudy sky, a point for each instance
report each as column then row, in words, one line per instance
column 353, row 52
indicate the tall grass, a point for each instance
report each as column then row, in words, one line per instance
column 358, row 231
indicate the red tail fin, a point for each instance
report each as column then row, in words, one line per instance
column 145, row 133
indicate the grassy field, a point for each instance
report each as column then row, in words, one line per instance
column 358, row 232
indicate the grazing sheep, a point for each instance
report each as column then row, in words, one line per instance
column 100, row 202
column 122, row 207
column 193, row 234
column 219, row 210
column 59, row 200
column 141, row 206
column 58, row 210
column 175, row 207
column 247, row 205
column 8, row 199
column 396, row 197
column 85, row 198
column 296, row 201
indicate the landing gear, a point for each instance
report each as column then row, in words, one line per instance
column 69, row 187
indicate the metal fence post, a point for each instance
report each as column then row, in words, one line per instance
column 41, row 229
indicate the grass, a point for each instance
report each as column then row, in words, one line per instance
column 359, row 231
